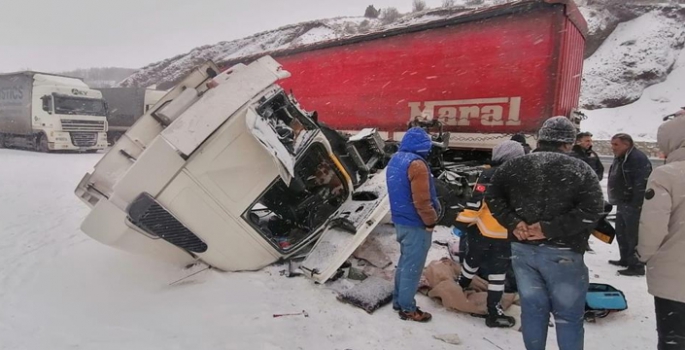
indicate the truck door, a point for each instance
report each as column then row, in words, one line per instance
column 347, row 229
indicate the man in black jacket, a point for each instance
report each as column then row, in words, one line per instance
column 583, row 151
column 628, row 177
column 550, row 202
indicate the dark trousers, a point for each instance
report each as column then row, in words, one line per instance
column 497, row 254
column 627, row 225
column 670, row 324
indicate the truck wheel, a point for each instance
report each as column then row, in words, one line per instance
column 2, row 141
column 42, row 144
column 449, row 202
column 115, row 138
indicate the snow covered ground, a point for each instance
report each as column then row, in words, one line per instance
column 59, row 289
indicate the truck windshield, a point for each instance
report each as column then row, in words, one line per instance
column 79, row 106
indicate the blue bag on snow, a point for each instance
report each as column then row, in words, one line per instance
column 603, row 299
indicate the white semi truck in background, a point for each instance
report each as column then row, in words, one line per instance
column 49, row 112
column 125, row 106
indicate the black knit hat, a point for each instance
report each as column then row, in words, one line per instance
column 558, row 129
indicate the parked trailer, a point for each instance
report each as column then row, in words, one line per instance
column 126, row 105
column 483, row 74
column 48, row 112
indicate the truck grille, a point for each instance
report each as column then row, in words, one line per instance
column 154, row 219
column 84, row 139
column 83, row 125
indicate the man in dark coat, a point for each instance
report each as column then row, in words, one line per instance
column 628, row 177
column 550, row 203
column 583, row 151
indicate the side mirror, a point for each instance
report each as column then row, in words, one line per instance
column 47, row 105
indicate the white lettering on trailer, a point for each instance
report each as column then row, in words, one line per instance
column 490, row 111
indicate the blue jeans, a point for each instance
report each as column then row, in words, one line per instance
column 414, row 245
column 550, row 280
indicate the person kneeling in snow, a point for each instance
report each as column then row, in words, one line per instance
column 414, row 207
column 487, row 239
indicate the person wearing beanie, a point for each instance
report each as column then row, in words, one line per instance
column 661, row 241
column 550, row 203
column 627, row 183
column 414, row 208
column 487, row 240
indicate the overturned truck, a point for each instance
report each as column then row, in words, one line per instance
column 228, row 169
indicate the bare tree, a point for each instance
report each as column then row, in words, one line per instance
column 447, row 3
column 418, row 5
column 390, row 15
column 371, row 12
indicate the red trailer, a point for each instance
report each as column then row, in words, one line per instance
column 497, row 71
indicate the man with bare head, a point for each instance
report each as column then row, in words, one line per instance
column 628, row 177
column 583, row 151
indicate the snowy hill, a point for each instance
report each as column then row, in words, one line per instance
column 636, row 77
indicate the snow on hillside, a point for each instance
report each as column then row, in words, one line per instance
column 642, row 118
column 639, row 53
column 59, row 289
column 172, row 69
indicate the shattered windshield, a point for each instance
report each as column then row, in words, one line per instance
column 293, row 128
column 80, row 106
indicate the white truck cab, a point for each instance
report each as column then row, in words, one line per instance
column 50, row 112
column 228, row 169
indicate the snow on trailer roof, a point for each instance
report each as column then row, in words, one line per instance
column 32, row 73
column 449, row 16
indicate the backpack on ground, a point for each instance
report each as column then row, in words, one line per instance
column 603, row 299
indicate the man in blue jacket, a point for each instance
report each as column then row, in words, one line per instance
column 628, row 177
column 414, row 207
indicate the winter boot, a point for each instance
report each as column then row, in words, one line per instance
column 635, row 270
column 497, row 319
column 620, row 263
column 418, row 315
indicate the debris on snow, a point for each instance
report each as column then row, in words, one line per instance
column 449, row 338
column 369, row 295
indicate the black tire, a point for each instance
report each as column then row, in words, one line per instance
column 42, row 144
column 115, row 138
column 2, row 141
column 449, row 201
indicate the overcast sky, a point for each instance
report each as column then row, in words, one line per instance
column 58, row 35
